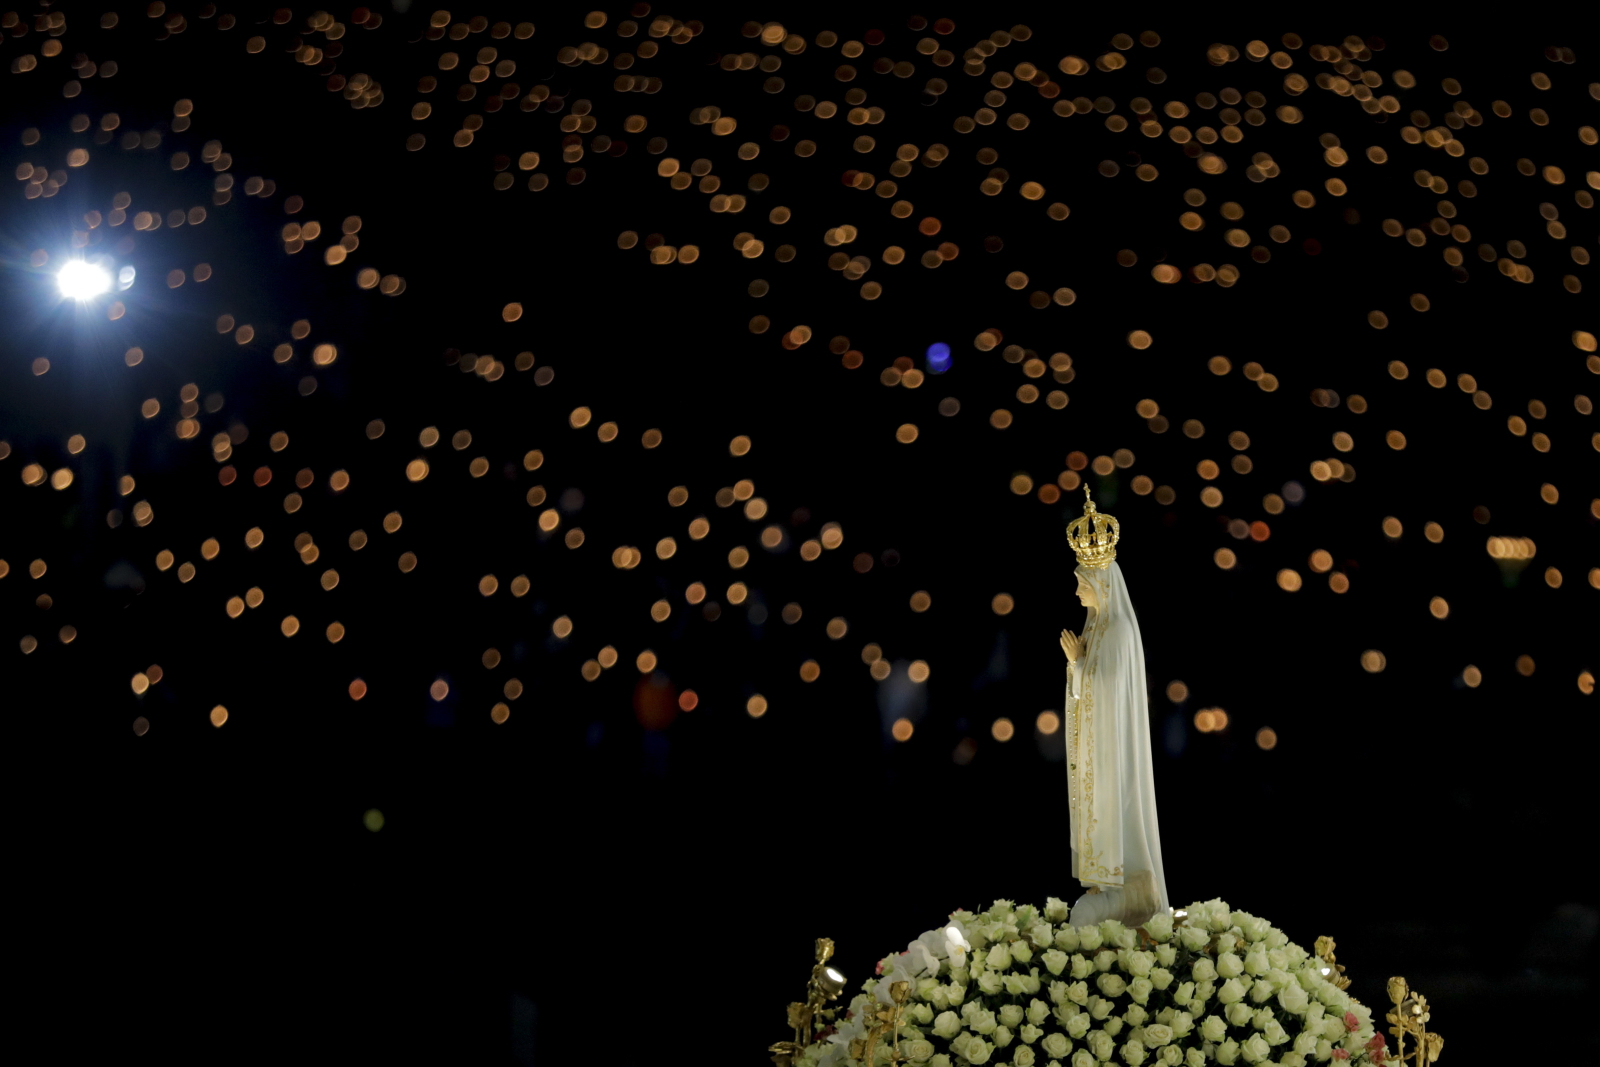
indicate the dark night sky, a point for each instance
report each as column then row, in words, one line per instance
column 210, row 890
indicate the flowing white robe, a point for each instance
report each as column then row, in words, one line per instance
column 1116, row 843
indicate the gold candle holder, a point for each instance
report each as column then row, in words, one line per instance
column 825, row 984
column 1410, row 1016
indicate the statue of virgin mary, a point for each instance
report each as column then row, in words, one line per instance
column 1116, row 845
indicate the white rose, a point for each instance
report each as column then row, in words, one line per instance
column 1253, row 928
column 1227, row 1052
column 1262, row 991
column 1140, row 964
column 1231, row 992
column 1306, row 1043
column 1278, row 958
column 1029, row 1033
column 947, row 1025
column 1113, row 1026
column 939, row 998
column 1041, row 934
column 1067, row 939
column 1156, row 1034
column 1089, row 938
column 1213, row 1029
column 1099, row 1008
column 955, row 993
column 1183, row 994
column 1021, row 952
column 1239, row 1014
column 941, row 1060
column 1023, row 1057
column 1011, row 1015
column 1161, row 978
column 1112, row 985
column 1038, row 1010
column 1226, row 941
column 1204, row 970
column 1133, row 1052
column 1291, row 1059
column 919, row 1051
column 1293, row 999
column 1135, row 1015
column 1139, row 989
column 1082, row 967
column 921, row 1014
column 1083, row 1058
column 1274, row 1032
column 1194, row 1058
column 959, row 1043
column 1229, row 965
column 1056, row 909
column 1056, row 1046
column 1078, row 1025
column 1101, row 1045
column 1016, row 984
column 1166, row 954
column 984, row 1022
column 991, row 983
column 999, row 957
column 1159, row 926
column 1255, row 961
column 1002, row 1036
column 1104, row 959
column 1058, row 992
column 1194, row 938
column 978, row 1051
column 1055, row 961
column 1255, row 1049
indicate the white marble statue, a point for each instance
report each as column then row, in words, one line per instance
column 1116, row 845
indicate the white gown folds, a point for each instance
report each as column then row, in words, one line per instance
column 1116, row 844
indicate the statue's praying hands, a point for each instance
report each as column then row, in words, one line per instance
column 1072, row 645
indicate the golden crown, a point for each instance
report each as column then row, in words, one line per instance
column 1094, row 537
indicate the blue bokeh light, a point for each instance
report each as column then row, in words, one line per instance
column 938, row 357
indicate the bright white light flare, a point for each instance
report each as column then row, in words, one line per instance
column 82, row 281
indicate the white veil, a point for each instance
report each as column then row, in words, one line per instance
column 1116, row 843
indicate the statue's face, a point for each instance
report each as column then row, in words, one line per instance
column 1086, row 595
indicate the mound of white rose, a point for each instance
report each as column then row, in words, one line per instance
column 1017, row 987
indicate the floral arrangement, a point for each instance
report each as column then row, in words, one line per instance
column 1018, row 987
